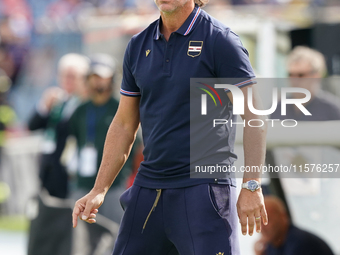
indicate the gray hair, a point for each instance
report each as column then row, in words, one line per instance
column 311, row 56
column 201, row 3
column 76, row 61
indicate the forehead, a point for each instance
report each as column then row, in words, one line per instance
column 301, row 65
column 69, row 71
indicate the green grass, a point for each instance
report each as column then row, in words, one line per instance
column 14, row 223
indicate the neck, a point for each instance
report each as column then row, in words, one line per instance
column 100, row 99
column 171, row 22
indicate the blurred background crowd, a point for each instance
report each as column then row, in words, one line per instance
column 35, row 37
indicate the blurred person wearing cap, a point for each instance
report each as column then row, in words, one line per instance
column 52, row 114
column 89, row 125
column 282, row 237
column 306, row 67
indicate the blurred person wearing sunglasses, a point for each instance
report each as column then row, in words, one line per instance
column 52, row 115
column 306, row 67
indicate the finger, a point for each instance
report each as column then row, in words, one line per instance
column 87, row 211
column 258, row 222
column 251, row 221
column 94, row 211
column 75, row 214
column 92, row 216
column 264, row 216
column 243, row 221
column 91, row 221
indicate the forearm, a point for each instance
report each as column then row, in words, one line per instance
column 118, row 144
column 37, row 121
column 250, row 204
column 254, row 144
column 254, row 138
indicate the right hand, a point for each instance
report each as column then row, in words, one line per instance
column 51, row 97
column 86, row 208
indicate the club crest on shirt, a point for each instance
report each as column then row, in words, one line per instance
column 195, row 48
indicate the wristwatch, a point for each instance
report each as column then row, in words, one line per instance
column 251, row 185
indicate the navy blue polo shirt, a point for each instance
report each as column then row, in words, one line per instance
column 159, row 72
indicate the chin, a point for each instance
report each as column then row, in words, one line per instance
column 167, row 8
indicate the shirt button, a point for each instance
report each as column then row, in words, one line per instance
column 167, row 60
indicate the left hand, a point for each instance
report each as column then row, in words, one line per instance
column 251, row 209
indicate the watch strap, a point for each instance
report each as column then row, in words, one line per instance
column 246, row 186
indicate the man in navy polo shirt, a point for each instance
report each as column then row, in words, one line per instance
column 166, row 211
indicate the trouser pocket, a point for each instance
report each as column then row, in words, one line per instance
column 220, row 199
column 126, row 197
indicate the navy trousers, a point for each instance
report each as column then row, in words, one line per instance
column 196, row 220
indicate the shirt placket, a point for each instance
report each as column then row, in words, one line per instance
column 169, row 46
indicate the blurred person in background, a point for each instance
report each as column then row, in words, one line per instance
column 15, row 33
column 63, row 15
column 7, row 118
column 61, row 9
column 52, row 114
column 111, row 6
column 140, row 6
column 280, row 236
column 306, row 67
column 89, row 125
column 7, row 114
column 14, row 44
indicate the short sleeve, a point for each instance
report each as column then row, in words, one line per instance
column 129, row 86
column 232, row 59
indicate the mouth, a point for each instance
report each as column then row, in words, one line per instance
column 164, row 2
column 100, row 90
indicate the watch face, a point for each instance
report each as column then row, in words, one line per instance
column 252, row 185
